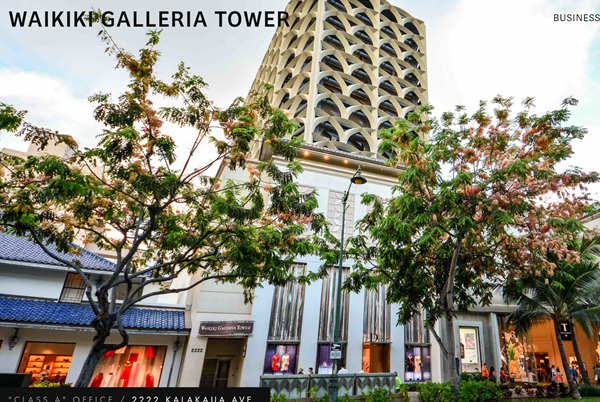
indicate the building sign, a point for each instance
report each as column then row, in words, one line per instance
column 565, row 331
column 336, row 351
column 226, row 328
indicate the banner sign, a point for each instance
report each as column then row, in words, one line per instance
column 226, row 328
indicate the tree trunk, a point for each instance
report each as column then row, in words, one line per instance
column 584, row 374
column 87, row 371
column 565, row 362
column 451, row 345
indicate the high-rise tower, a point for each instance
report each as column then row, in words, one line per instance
column 345, row 69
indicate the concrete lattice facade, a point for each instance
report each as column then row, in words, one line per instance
column 345, row 69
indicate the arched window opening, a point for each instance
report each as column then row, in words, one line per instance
column 331, row 85
column 389, row 88
column 306, row 63
column 389, row 32
column 387, row 107
column 301, row 107
column 335, row 21
column 366, row 3
column 360, row 96
column 412, row 61
column 362, row 35
column 412, row 28
column 388, row 68
column 360, row 118
column 363, row 56
column 327, row 131
column 362, row 76
column 333, row 63
column 337, row 4
column 389, row 15
column 359, row 142
column 412, row 44
column 284, row 100
column 386, row 47
column 364, row 18
column 412, row 79
column 413, row 98
column 329, row 107
column 289, row 60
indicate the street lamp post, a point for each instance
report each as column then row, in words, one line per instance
column 337, row 334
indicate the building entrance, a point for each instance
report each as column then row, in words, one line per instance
column 223, row 363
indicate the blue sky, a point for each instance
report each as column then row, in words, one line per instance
column 476, row 49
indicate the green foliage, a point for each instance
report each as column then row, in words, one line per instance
column 344, row 398
column 471, row 376
column 411, row 387
column 10, row 118
column 378, row 395
column 48, row 384
column 589, row 390
column 275, row 397
column 312, row 392
column 473, row 206
column 141, row 195
column 474, row 391
column 324, row 398
column 436, row 392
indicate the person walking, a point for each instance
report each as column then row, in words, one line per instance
column 343, row 370
column 398, row 384
column 559, row 377
column 553, row 371
column 597, row 374
column 484, row 372
column 493, row 374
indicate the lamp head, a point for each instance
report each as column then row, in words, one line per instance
column 357, row 178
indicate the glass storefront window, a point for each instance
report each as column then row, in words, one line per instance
column 324, row 361
column 328, row 304
column 469, row 350
column 47, row 361
column 377, row 316
column 281, row 359
column 376, row 358
column 130, row 366
column 417, row 363
column 517, row 354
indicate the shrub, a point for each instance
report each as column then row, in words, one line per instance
column 589, row 390
column 275, row 397
column 412, row 387
column 48, row 384
column 378, row 395
column 473, row 391
column 436, row 392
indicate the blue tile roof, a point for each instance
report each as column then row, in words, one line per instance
column 50, row 312
column 15, row 248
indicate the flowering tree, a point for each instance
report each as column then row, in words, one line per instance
column 481, row 202
column 155, row 207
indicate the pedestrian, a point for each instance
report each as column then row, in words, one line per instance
column 343, row 370
column 493, row 374
column 553, row 371
column 301, row 371
column 484, row 372
column 310, row 371
column 502, row 376
column 398, row 384
column 597, row 374
column 574, row 374
column 559, row 377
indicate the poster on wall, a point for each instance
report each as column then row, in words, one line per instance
column 280, row 359
column 468, row 338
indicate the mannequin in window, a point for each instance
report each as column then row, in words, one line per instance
column 150, row 380
column 97, row 381
column 125, row 375
column 275, row 362
column 285, row 361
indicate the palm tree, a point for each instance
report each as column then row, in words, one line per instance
column 571, row 295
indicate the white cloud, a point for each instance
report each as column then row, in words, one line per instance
column 51, row 104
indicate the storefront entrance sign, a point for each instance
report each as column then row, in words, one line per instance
column 226, row 328
column 565, row 331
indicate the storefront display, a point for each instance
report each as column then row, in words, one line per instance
column 417, row 363
column 131, row 366
column 324, row 361
column 47, row 361
column 280, row 359
column 517, row 355
column 376, row 358
column 469, row 344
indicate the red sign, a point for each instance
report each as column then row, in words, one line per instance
column 226, row 328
